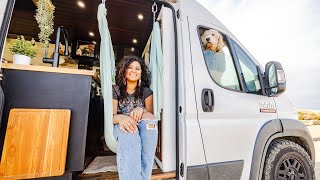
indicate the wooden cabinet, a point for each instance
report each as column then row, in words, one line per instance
column 27, row 87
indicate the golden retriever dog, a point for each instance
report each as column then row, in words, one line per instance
column 212, row 40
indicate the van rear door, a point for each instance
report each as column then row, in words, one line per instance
column 230, row 104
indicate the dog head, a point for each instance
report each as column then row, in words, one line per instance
column 212, row 40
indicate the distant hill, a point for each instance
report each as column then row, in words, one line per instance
column 308, row 115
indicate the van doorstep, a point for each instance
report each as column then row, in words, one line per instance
column 156, row 174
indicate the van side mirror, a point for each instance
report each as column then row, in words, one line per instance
column 275, row 78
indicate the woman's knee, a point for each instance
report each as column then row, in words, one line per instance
column 148, row 116
column 120, row 135
column 146, row 125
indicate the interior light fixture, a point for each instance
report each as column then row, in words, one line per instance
column 91, row 34
column 140, row 17
column 94, row 42
column 134, row 41
column 81, row 4
column 132, row 49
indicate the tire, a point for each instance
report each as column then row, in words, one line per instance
column 287, row 160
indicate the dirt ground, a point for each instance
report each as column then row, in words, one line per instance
column 315, row 133
column 317, row 168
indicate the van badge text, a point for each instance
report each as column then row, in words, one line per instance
column 267, row 107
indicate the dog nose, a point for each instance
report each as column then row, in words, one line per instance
column 208, row 39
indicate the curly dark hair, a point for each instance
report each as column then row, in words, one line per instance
column 121, row 76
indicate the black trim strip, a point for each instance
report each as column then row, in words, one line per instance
column 222, row 171
column 226, row 170
column 197, row 172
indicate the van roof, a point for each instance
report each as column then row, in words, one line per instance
column 194, row 9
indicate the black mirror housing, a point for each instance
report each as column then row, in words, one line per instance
column 275, row 78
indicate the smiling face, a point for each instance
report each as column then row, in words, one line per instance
column 133, row 72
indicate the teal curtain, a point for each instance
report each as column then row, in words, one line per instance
column 156, row 68
column 107, row 75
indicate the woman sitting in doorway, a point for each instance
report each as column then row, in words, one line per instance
column 135, row 127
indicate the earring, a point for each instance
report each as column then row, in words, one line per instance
column 139, row 82
column 124, row 82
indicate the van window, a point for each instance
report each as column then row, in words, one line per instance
column 249, row 70
column 218, row 59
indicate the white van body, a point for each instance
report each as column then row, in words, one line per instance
column 227, row 137
column 230, row 142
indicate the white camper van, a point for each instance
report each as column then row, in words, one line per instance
column 232, row 123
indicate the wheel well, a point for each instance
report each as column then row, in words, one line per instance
column 300, row 141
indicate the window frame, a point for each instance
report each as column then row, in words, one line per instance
column 234, row 60
column 233, row 45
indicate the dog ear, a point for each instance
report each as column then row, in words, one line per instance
column 220, row 43
column 203, row 37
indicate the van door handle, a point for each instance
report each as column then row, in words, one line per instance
column 207, row 99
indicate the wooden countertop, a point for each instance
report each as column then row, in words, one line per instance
column 47, row 69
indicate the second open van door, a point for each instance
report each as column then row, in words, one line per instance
column 229, row 104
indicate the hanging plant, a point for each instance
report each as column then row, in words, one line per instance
column 44, row 16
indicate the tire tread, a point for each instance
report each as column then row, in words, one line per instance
column 275, row 147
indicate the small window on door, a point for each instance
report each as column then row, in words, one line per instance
column 249, row 70
column 218, row 59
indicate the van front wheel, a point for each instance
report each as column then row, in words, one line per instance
column 287, row 160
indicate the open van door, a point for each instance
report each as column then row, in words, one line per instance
column 231, row 104
column 5, row 10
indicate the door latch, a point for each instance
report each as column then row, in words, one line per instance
column 181, row 169
column 207, row 99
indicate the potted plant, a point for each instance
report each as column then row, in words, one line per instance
column 23, row 51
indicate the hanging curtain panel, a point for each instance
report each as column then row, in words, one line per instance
column 107, row 76
column 156, row 68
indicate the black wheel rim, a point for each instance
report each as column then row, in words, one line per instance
column 291, row 169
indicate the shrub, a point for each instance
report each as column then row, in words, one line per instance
column 308, row 115
column 23, row 47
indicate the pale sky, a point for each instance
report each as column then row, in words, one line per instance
column 287, row 31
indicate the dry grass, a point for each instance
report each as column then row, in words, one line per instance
column 308, row 115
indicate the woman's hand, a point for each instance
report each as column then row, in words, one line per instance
column 136, row 114
column 127, row 124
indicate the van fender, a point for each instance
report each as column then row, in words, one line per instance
column 274, row 129
column 295, row 128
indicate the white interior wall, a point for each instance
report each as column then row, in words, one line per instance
column 3, row 6
column 168, row 122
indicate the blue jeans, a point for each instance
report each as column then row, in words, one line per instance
column 136, row 151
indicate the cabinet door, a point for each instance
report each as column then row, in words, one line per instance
column 229, row 102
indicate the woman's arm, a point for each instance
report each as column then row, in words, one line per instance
column 148, row 112
column 126, row 122
column 139, row 113
column 116, row 117
column 148, row 102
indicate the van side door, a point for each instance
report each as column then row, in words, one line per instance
column 230, row 103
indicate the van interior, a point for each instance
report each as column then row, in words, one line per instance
column 130, row 25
